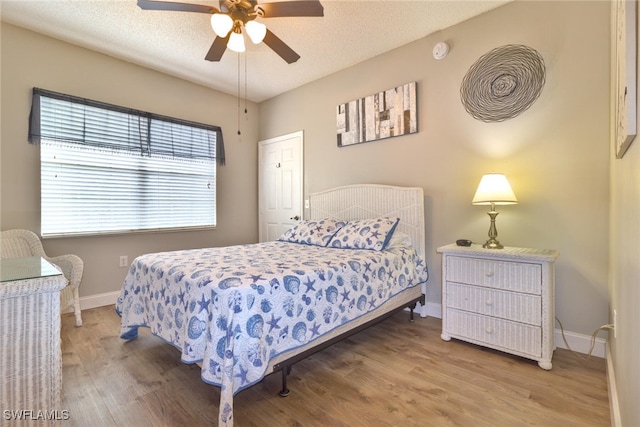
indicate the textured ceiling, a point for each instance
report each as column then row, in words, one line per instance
column 175, row 43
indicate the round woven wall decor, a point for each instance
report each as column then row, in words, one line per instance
column 503, row 83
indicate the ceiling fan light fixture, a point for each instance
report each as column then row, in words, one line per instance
column 256, row 31
column 236, row 42
column 221, row 24
column 228, row 20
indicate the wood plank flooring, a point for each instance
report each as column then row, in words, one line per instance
column 396, row 373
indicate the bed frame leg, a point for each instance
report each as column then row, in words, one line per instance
column 411, row 308
column 415, row 304
column 285, row 371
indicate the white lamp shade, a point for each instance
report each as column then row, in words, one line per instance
column 221, row 24
column 236, row 42
column 256, row 31
column 494, row 188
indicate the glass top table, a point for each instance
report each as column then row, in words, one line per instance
column 13, row 269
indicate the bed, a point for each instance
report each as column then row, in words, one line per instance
column 243, row 312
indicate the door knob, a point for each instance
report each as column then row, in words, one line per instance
column 297, row 217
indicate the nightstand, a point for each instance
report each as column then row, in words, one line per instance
column 500, row 298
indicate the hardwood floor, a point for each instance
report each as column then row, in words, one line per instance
column 393, row 374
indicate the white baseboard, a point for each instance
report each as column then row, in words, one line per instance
column 433, row 309
column 428, row 310
column 580, row 343
column 614, row 405
column 98, row 300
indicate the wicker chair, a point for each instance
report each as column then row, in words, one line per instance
column 25, row 243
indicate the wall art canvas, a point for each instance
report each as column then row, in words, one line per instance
column 382, row 115
column 625, row 39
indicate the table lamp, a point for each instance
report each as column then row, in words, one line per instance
column 494, row 189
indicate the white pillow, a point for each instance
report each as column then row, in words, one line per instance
column 399, row 239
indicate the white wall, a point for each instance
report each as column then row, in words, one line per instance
column 30, row 59
column 625, row 276
column 556, row 154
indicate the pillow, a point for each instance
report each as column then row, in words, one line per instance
column 398, row 239
column 315, row 232
column 373, row 234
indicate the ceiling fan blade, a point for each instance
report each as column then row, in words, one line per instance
column 217, row 49
column 292, row 8
column 280, row 47
column 180, row 7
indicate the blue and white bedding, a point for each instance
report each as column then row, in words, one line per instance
column 234, row 308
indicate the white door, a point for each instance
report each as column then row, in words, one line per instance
column 280, row 184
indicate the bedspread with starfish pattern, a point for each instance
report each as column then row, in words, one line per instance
column 234, row 308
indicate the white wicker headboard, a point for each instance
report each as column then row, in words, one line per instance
column 364, row 201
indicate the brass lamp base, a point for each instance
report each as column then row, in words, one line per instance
column 493, row 243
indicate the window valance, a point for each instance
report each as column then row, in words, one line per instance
column 76, row 120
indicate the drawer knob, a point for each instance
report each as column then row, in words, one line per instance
column 489, row 302
column 489, row 274
column 489, row 330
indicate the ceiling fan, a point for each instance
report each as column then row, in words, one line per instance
column 233, row 15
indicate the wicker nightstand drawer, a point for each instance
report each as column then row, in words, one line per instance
column 514, row 276
column 525, row 340
column 519, row 307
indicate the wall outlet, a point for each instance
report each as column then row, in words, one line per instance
column 124, row 261
column 615, row 323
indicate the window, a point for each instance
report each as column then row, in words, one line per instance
column 109, row 169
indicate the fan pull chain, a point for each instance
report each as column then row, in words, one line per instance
column 238, row 94
column 245, row 85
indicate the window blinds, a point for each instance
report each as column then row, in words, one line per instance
column 109, row 169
